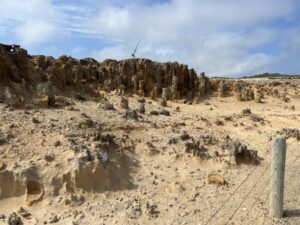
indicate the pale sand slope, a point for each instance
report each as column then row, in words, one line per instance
column 149, row 180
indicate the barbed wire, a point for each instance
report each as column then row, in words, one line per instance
column 252, row 188
column 237, row 209
column 264, row 188
column 230, row 196
column 270, row 190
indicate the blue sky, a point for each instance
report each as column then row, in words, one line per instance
column 232, row 37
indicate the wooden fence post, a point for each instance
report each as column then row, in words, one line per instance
column 277, row 177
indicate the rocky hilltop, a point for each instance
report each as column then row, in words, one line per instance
column 24, row 73
column 137, row 142
column 24, row 77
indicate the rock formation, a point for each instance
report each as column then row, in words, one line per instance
column 142, row 77
column 39, row 78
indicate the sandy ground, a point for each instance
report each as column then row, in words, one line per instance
column 150, row 179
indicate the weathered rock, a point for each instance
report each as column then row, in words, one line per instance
column 290, row 133
column 23, row 212
column 13, row 219
column 141, row 108
column 108, row 106
column 219, row 122
column 163, row 102
column 164, row 112
column 46, row 89
column 132, row 114
column 194, row 147
column 257, row 96
column 154, row 113
column 185, row 136
column 57, row 143
column 239, row 153
column 222, row 89
column 246, row 111
column 215, row 179
column 124, row 103
column 134, row 76
column 151, row 209
column 49, row 157
column 165, row 94
column 35, row 120
column 53, row 218
column 12, row 100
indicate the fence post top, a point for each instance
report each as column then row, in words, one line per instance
column 278, row 138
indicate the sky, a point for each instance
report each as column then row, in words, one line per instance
column 220, row 37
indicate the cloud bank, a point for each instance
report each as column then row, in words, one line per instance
column 232, row 37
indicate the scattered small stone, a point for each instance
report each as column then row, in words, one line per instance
column 14, row 219
column 86, row 123
column 103, row 157
column 74, row 200
column 215, row 179
column 50, row 157
column 239, row 153
column 246, row 111
column 154, row 113
column 12, row 126
column 53, row 219
column 124, row 103
column 194, row 196
column 196, row 149
column 35, row 120
column 290, row 133
column 164, row 112
column 228, row 118
column 286, row 99
column 141, row 100
column 84, row 115
column 3, row 139
column 2, row 216
column 57, row 143
column 142, row 108
column 132, row 114
column 163, row 102
column 173, row 141
column 219, row 123
column 151, row 209
column 185, row 136
column 108, row 106
column 208, row 139
column 23, row 212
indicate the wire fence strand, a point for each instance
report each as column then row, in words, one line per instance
column 230, row 196
column 237, row 209
column 291, row 168
column 249, row 193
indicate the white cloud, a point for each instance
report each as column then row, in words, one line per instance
column 77, row 50
column 216, row 36
column 35, row 32
column 32, row 21
column 114, row 52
